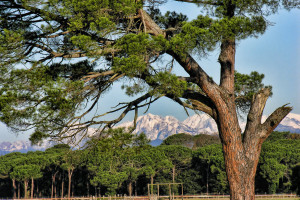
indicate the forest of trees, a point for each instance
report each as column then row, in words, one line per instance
column 125, row 163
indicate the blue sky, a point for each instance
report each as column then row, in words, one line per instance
column 275, row 54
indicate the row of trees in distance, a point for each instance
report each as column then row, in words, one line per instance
column 125, row 163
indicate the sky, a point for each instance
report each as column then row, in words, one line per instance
column 276, row 54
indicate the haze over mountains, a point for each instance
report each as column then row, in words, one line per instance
column 157, row 128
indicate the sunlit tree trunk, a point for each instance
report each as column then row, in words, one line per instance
column 53, row 188
column 130, row 188
column 173, row 174
column 70, row 172
column 14, row 188
column 32, row 187
column 25, row 189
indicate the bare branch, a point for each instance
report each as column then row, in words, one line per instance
column 93, row 75
column 196, row 72
column 274, row 119
column 58, row 34
column 74, row 127
column 149, row 24
column 201, row 102
column 252, row 134
column 183, row 104
column 255, row 112
column 135, row 118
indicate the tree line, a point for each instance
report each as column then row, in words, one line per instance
column 124, row 163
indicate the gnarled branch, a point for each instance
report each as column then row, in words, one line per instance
column 273, row 120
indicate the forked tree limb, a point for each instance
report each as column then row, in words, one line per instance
column 273, row 120
column 254, row 116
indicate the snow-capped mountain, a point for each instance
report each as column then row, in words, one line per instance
column 21, row 146
column 202, row 124
column 159, row 128
column 290, row 123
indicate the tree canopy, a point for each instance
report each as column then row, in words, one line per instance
column 119, row 41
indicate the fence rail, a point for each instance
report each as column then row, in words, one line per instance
column 164, row 197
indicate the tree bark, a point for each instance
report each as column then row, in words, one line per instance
column 14, row 188
column 151, row 181
column 62, row 187
column 227, row 62
column 70, row 172
column 25, row 188
column 52, row 185
column 32, row 187
column 242, row 154
column 88, row 189
column 173, row 174
column 18, row 190
column 130, row 188
column 55, row 190
column 135, row 188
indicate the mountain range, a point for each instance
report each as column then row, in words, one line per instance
column 157, row 128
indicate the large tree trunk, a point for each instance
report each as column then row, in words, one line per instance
column 241, row 152
column 240, row 169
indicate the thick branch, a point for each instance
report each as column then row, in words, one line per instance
column 255, row 114
column 195, row 71
column 93, row 75
column 187, row 79
column 273, row 120
column 74, row 128
column 197, row 74
column 201, row 102
column 43, row 13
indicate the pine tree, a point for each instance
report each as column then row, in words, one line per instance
column 121, row 41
